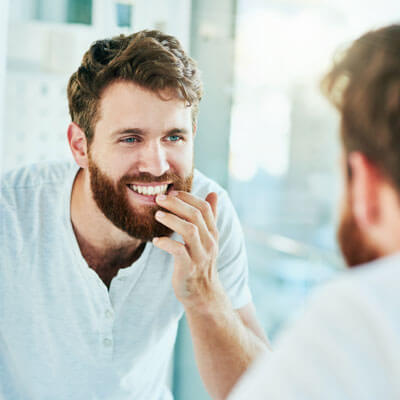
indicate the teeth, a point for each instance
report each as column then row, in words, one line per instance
column 149, row 190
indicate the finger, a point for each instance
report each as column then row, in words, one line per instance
column 212, row 199
column 188, row 231
column 187, row 212
column 172, row 247
column 204, row 207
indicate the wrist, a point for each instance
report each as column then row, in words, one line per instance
column 215, row 301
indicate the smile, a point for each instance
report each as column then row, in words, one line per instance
column 149, row 190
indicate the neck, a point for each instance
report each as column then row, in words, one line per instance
column 103, row 245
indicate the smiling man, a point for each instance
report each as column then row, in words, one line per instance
column 100, row 259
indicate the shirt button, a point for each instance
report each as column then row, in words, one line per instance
column 107, row 342
column 109, row 314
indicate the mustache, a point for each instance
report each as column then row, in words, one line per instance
column 145, row 177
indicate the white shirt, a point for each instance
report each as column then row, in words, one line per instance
column 345, row 347
column 63, row 335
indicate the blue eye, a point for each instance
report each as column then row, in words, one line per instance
column 174, row 138
column 129, row 140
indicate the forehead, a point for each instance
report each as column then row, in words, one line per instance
column 126, row 104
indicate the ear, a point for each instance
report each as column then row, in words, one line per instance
column 364, row 186
column 194, row 130
column 78, row 144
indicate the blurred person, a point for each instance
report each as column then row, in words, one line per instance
column 347, row 344
column 101, row 259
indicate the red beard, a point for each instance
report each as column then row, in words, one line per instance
column 356, row 249
column 113, row 201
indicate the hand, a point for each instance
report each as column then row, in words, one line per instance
column 195, row 277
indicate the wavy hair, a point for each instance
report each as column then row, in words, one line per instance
column 151, row 59
column 364, row 84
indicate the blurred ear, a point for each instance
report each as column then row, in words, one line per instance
column 78, row 144
column 364, row 185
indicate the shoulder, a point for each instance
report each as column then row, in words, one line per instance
column 35, row 174
column 36, row 185
column 374, row 285
column 354, row 318
column 379, row 279
column 202, row 185
column 32, row 199
column 349, row 333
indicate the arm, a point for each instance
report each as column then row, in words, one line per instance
column 224, row 346
column 225, row 341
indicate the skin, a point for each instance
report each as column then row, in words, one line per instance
column 137, row 132
column 374, row 202
column 225, row 341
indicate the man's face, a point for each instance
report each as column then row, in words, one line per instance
column 142, row 146
column 355, row 246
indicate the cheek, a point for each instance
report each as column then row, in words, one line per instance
column 115, row 167
column 181, row 161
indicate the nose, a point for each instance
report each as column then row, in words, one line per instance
column 153, row 159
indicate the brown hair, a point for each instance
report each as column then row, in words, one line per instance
column 151, row 59
column 364, row 84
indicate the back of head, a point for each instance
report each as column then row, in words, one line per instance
column 151, row 59
column 364, row 84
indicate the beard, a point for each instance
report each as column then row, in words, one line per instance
column 355, row 247
column 112, row 199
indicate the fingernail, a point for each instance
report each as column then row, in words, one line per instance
column 161, row 197
column 160, row 214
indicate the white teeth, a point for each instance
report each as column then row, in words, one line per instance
column 149, row 190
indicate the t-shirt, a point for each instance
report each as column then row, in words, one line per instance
column 63, row 335
column 345, row 347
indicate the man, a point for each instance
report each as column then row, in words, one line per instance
column 100, row 260
column 347, row 345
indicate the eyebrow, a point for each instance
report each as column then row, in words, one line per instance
column 181, row 131
column 138, row 131
column 122, row 131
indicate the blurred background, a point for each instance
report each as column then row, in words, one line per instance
column 265, row 132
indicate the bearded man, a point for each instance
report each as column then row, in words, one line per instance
column 101, row 259
column 347, row 345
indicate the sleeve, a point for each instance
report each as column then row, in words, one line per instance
column 232, row 259
column 336, row 351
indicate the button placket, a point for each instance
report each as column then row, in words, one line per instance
column 107, row 338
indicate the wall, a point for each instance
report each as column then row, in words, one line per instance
column 3, row 52
column 212, row 46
